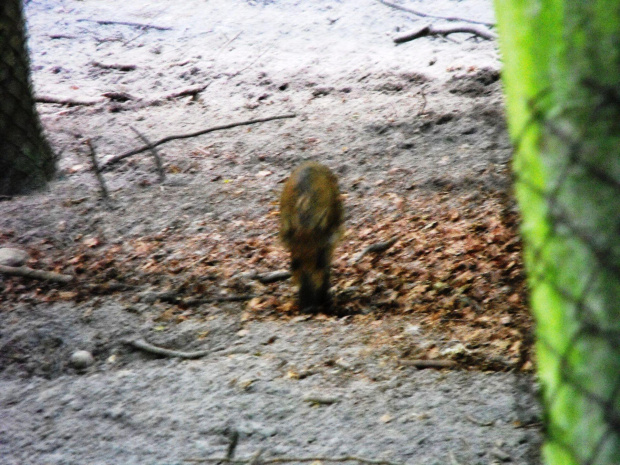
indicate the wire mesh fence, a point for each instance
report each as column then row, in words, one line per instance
column 26, row 160
column 569, row 192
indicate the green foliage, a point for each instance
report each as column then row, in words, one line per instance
column 562, row 83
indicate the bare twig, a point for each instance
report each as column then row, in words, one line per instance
column 158, row 163
column 114, row 66
column 347, row 458
column 173, row 297
column 189, row 91
column 478, row 422
column 265, row 278
column 93, row 160
column 374, row 248
column 426, row 15
column 147, row 347
column 430, row 30
column 62, row 36
column 142, row 32
column 255, row 459
column 320, row 400
column 276, row 276
column 119, row 96
column 122, row 156
column 232, row 446
column 229, row 42
column 26, row 272
column 429, row 363
column 65, row 100
column 126, row 23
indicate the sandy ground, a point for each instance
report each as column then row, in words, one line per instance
column 420, row 124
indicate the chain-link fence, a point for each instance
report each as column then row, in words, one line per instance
column 26, row 159
column 569, row 192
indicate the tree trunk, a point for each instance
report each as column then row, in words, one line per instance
column 562, row 83
column 26, row 159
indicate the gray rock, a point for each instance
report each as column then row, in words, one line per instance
column 13, row 257
column 81, row 359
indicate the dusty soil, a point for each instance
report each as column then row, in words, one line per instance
column 417, row 137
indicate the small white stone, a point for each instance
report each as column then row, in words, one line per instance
column 12, row 257
column 458, row 349
column 413, row 330
column 81, row 359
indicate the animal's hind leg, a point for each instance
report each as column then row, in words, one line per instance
column 314, row 282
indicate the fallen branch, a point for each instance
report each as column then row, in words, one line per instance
column 173, row 297
column 273, row 277
column 118, row 96
column 321, row 400
column 265, row 278
column 122, row 156
column 429, row 363
column 229, row 42
column 124, row 96
column 430, row 30
column 114, row 66
column 426, row 15
column 255, row 459
column 145, row 346
column 62, row 36
column 158, row 163
column 232, row 446
column 374, row 248
column 478, row 422
column 64, row 100
column 26, row 272
column 346, row 458
column 128, row 41
column 189, row 91
column 126, row 23
column 93, row 160
column 150, row 348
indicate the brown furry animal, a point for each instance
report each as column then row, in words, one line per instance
column 311, row 217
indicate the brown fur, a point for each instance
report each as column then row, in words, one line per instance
column 311, row 217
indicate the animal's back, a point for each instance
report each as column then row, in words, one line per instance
column 311, row 208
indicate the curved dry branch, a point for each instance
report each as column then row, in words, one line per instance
column 430, row 30
column 26, row 272
column 122, row 156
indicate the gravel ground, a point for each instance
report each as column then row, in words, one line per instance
column 410, row 119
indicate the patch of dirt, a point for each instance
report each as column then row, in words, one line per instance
column 417, row 137
column 476, row 83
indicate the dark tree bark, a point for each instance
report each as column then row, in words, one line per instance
column 26, row 159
